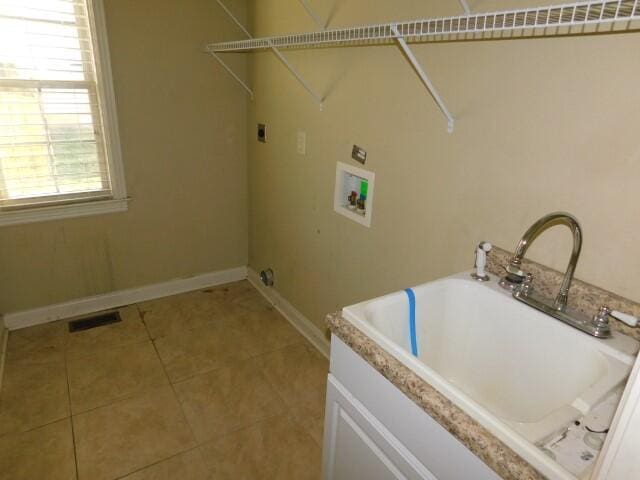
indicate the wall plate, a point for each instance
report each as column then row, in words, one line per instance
column 359, row 154
column 301, row 142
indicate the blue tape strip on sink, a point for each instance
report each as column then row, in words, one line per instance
column 412, row 321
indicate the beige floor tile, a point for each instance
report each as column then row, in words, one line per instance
column 113, row 373
column 227, row 399
column 33, row 394
column 268, row 330
column 129, row 330
column 299, row 375
column 172, row 315
column 128, row 435
column 234, row 291
column 309, row 420
column 43, row 453
column 186, row 466
column 251, row 302
column 274, row 449
column 238, row 299
column 193, row 352
column 39, row 344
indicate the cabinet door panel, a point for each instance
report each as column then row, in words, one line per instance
column 357, row 446
column 429, row 443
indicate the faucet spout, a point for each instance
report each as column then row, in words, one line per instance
column 515, row 275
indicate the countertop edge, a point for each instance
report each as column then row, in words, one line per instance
column 493, row 452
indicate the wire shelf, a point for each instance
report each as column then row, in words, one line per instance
column 462, row 27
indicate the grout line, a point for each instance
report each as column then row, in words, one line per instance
column 158, row 462
column 73, row 432
column 3, row 351
column 121, row 399
column 232, row 360
column 113, row 401
column 142, row 314
column 82, row 356
column 31, row 429
column 196, row 445
column 173, row 389
column 285, row 413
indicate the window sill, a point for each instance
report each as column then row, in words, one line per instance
column 59, row 212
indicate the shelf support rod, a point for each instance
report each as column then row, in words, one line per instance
column 232, row 73
column 295, row 73
column 275, row 50
column 465, row 6
column 423, row 76
column 222, row 62
column 313, row 15
column 233, row 17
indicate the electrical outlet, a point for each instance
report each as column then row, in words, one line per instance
column 301, row 145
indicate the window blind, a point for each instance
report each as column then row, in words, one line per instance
column 52, row 147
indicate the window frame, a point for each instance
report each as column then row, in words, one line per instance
column 118, row 201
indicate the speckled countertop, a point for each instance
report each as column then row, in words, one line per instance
column 498, row 456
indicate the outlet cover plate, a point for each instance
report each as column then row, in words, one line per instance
column 359, row 154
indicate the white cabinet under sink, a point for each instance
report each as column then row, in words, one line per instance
column 374, row 432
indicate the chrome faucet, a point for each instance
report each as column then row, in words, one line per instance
column 515, row 276
column 521, row 283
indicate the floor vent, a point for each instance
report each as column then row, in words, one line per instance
column 95, row 321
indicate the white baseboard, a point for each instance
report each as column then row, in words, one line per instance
column 97, row 303
column 301, row 323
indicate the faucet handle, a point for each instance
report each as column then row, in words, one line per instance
column 624, row 318
column 605, row 312
column 515, row 276
column 514, row 269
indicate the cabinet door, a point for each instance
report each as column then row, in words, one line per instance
column 357, row 446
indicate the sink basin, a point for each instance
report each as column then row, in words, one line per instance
column 520, row 373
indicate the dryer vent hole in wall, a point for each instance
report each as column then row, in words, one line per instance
column 95, row 321
column 262, row 133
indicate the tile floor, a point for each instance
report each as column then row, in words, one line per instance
column 206, row 385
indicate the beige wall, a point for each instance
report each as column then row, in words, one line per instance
column 182, row 123
column 542, row 125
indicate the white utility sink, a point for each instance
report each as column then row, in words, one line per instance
column 520, row 373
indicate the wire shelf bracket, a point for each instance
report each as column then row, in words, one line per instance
column 273, row 48
column 314, row 17
column 425, row 79
column 465, row 7
column 233, row 74
column 577, row 18
column 222, row 62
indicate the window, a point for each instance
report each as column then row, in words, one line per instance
column 59, row 149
